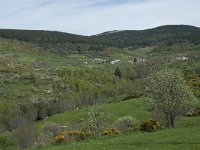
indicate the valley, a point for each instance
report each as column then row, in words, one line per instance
column 65, row 91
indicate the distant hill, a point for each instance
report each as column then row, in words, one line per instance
column 39, row 36
column 68, row 43
column 50, row 40
column 163, row 35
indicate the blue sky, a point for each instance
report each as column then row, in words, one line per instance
column 89, row 17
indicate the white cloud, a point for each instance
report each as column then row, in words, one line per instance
column 91, row 17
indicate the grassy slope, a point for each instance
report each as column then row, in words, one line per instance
column 185, row 136
column 113, row 110
column 175, row 139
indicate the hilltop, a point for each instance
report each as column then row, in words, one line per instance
column 163, row 35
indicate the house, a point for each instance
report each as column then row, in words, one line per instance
column 115, row 61
column 182, row 58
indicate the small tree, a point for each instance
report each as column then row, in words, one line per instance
column 118, row 72
column 170, row 96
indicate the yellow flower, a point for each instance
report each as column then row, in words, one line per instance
column 59, row 138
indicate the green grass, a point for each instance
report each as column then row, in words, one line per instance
column 185, row 136
column 131, row 107
column 143, row 52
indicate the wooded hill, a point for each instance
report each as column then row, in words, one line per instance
column 70, row 43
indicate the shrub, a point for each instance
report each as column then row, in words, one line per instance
column 111, row 131
column 150, row 125
column 71, row 136
column 77, row 135
column 196, row 112
column 6, row 143
column 118, row 72
column 59, row 138
column 25, row 135
column 52, row 129
column 95, row 122
column 125, row 123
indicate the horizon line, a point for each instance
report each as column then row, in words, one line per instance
column 49, row 30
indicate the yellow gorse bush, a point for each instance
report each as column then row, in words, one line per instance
column 68, row 136
column 108, row 131
column 59, row 138
column 150, row 125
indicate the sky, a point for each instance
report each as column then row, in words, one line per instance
column 89, row 17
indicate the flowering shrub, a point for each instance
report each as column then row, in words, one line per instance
column 95, row 123
column 150, row 125
column 111, row 131
column 59, row 138
column 76, row 135
column 70, row 136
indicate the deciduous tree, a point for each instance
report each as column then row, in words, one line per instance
column 170, row 95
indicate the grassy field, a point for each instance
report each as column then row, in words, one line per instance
column 184, row 136
column 114, row 111
column 143, row 52
column 175, row 139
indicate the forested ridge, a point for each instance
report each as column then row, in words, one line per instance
column 132, row 39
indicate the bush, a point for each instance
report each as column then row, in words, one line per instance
column 111, row 131
column 59, row 138
column 95, row 122
column 6, row 143
column 52, row 129
column 25, row 135
column 126, row 123
column 70, row 136
column 150, row 125
column 196, row 112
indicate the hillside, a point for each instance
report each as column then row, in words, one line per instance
column 61, row 42
column 55, row 82
column 163, row 35
column 164, row 139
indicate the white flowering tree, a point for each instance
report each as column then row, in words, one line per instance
column 169, row 94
